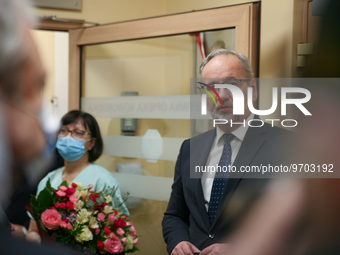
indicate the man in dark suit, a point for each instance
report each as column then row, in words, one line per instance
column 198, row 216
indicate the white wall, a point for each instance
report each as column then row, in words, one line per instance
column 53, row 49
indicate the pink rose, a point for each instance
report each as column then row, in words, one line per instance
column 100, row 190
column 112, row 217
column 73, row 199
column 65, row 224
column 101, row 216
column 113, row 245
column 60, row 193
column 63, row 188
column 51, row 218
column 135, row 242
column 97, row 231
column 124, row 240
column 120, row 231
column 91, row 186
column 129, row 223
column 133, row 231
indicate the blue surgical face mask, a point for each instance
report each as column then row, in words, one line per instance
column 71, row 149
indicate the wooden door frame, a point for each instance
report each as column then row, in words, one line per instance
column 244, row 18
column 53, row 25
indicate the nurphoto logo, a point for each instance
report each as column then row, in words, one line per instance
column 239, row 103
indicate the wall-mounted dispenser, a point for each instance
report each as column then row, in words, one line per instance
column 128, row 125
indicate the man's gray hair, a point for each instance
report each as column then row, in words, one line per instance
column 14, row 16
column 248, row 72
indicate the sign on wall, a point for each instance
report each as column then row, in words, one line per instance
column 59, row 4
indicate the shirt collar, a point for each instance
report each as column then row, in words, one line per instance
column 239, row 132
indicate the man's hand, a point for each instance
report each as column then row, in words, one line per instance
column 216, row 249
column 184, row 248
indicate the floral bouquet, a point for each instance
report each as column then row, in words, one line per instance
column 86, row 219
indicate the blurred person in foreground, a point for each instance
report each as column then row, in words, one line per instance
column 301, row 216
column 22, row 134
column 80, row 144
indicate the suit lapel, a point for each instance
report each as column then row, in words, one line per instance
column 199, row 152
column 250, row 146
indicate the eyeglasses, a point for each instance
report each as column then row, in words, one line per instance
column 231, row 81
column 76, row 133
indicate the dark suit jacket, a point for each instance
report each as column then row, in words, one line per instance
column 15, row 246
column 16, row 208
column 186, row 218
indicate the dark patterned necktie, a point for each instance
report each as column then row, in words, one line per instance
column 220, row 177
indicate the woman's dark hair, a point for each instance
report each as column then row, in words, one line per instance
column 91, row 126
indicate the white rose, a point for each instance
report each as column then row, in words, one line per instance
column 108, row 199
column 84, row 194
column 83, row 216
column 78, row 205
column 84, row 236
column 93, row 223
column 79, row 186
column 77, row 194
column 107, row 209
column 129, row 243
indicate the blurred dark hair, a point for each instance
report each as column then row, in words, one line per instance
column 91, row 126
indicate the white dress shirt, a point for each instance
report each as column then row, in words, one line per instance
column 207, row 178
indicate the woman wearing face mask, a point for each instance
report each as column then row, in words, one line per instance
column 80, row 144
